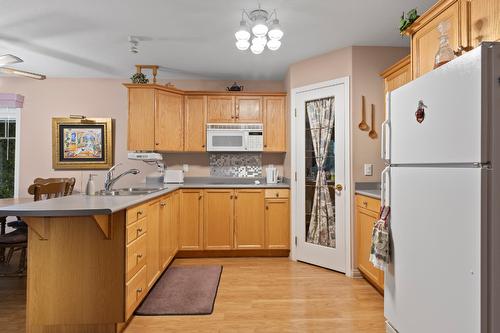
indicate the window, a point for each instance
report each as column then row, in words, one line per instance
column 9, row 152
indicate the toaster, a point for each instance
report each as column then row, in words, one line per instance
column 173, row 177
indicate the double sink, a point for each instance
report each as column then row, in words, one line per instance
column 129, row 191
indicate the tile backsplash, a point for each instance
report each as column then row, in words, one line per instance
column 235, row 165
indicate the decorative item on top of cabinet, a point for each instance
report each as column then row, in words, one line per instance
column 195, row 115
column 274, row 124
column 140, row 78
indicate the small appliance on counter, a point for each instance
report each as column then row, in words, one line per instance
column 271, row 174
column 173, row 177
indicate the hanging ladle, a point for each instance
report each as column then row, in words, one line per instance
column 363, row 125
column 372, row 134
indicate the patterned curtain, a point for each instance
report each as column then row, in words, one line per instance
column 321, row 115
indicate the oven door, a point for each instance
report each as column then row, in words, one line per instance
column 225, row 140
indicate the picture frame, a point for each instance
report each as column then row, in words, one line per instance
column 82, row 143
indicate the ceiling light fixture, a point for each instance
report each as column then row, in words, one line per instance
column 265, row 28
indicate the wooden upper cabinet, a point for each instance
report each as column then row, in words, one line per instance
column 397, row 75
column 249, row 222
column 218, row 219
column 220, row 109
column 195, row 114
column 169, row 131
column 274, row 124
column 248, row 109
column 481, row 21
column 425, row 41
column 191, row 221
column 141, row 119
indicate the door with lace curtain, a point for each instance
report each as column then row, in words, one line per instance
column 320, row 154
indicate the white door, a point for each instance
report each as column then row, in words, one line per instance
column 320, row 165
column 450, row 131
column 434, row 281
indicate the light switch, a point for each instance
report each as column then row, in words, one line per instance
column 368, row 169
column 185, row 168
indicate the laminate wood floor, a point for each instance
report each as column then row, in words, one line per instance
column 255, row 295
column 278, row 295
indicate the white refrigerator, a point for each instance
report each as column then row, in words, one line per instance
column 443, row 187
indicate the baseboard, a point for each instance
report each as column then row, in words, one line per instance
column 356, row 274
column 232, row 253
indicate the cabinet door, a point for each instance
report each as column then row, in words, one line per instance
column 274, row 124
column 153, row 243
column 249, row 109
column 174, row 223
column 425, row 42
column 249, row 219
column 220, row 109
column 218, row 220
column 365, row 220
column 169, row 132
column 481, row 22
column 277, row 224
column 195, row 119
column 165, row 230
column 191, row 222
column 141, row 119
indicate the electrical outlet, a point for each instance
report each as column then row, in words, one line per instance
column 368, row 169
column 185, row 168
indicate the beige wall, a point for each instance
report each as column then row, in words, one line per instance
column 92, row 98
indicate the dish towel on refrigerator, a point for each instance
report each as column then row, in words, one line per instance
column 380, row 252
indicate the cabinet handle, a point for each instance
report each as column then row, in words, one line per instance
column 139, row 290
column 139, row 230
column 230, row 197
column 277, row 194
column 267, row 207
column 202, row 146
column 140, row 213
column 232, row 117
column 157, row 143
column 163, row 204
column 236, row 197
column 365, row 203
column 199, row 198
column 139, row 255
column 265, row 146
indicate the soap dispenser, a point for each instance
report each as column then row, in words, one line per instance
column 90, row 190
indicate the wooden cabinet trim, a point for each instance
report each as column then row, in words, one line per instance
column 429, row 15
column 401, row 64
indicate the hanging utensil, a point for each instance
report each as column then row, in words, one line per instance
column 372, row 134
column 363, row 125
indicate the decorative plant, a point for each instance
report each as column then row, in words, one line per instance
column 139, row 78
column 405, row 22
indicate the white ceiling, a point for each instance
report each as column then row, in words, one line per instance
column 188, row 38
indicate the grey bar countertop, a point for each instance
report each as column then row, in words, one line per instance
column 85, row 205
column 371, row 190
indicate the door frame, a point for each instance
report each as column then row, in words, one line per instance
column 348, row 166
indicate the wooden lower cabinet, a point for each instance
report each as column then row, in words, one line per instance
column 218, row 219
column 191, row 221
column 366, row 216
column 277, row 226
column 249, row 232
column 153, row 242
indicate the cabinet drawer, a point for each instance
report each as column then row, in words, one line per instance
column 136, row 289
column 136, row 213
column 136, row 255
column 136, row 229
column 368, row 203
column 277, row 193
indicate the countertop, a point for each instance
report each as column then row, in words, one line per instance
column 85, row 205
column 369, row 189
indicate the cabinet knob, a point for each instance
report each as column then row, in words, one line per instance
column 265, row 146
column 365, row 203
column 139, row 290
column 139, row 255
column 157, row 143
column 236, row 197
column 140, row 212
column 267, row 207
column 139, row 230
column 277, row 194
column 230, row 197
column 199, row 198
column 202, row 146
column 163, row 204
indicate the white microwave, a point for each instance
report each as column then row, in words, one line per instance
column 235, row 137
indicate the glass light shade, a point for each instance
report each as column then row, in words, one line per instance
column 273, row 44
column 256, row 49
column 260, row 28
column 275, row 32
column 242, row 45
column 260, row 41
column 243, row 32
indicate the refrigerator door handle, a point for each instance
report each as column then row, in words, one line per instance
column 385, row 139
column 385, row 187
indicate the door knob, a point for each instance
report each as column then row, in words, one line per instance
column 339, row 187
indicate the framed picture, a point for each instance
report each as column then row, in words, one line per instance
column 83, row 144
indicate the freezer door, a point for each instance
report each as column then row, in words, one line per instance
column 450, row 130
column 433, row 283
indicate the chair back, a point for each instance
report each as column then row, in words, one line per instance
column 70, row 184
column 49, row 190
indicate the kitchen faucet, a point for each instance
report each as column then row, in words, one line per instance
column 109, row 180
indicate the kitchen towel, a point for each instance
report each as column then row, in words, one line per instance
column 380, row 249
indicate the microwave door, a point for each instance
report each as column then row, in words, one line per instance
column 226, row 141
